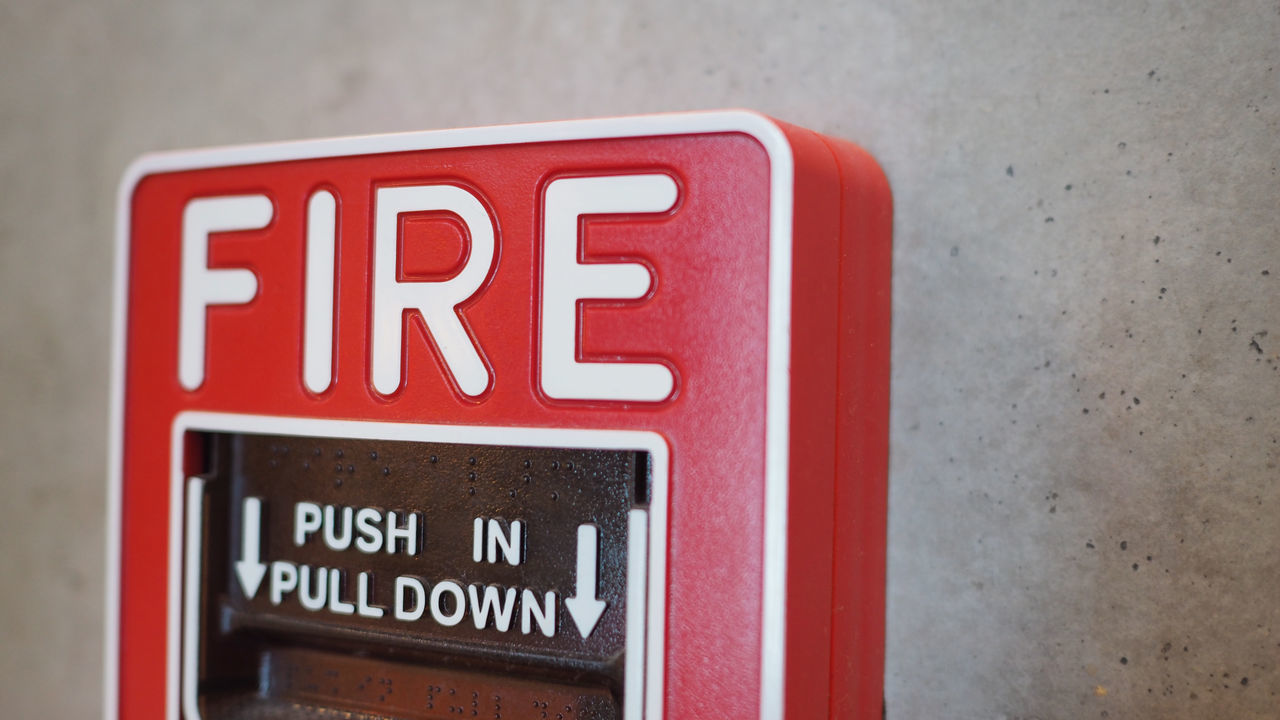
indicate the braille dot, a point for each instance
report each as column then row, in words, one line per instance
column 471, row 475
column 568, row 466
column 555, row 464
column 306, row 465
column 526, row 478
column 338, row 454
column 317, row 452
column 555, row 496
column 471, row 461
column 386, row 471
column 337, row 482
column 471, row 491
column 337, row 468
column 528, row 464
column 351, row 468
column 373, row 455
column 434, row 459
column 1124, row 661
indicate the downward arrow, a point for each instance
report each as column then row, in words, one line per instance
column 249, row 568
column 585, row 608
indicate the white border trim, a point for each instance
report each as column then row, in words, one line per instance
column 778, row 371
column 183, row 615
column 192, row 534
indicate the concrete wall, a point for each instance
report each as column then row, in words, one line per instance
column 1085, row 514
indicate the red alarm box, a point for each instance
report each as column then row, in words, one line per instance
column 566, row 420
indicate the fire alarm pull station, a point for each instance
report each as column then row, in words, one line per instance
column 567, row 420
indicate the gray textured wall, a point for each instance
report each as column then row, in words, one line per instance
column 1085, row 514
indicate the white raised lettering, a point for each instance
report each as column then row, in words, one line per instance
column 544, row 616
column 437, row 301
column 584, row 607
column 317, row 331
column 284, row 579
column 370, row 540
column 409, row 533
column 311, row 589
column 511, row 546
column 405, row 585
column 337, row 605
column 332, row 538
column 202, row 286
column 306, row 520
column 437, row 600
column 565, row 281
column 480, row 609
column 249, row 568
column 363, row 606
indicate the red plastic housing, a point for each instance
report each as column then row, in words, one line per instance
column 769, row 303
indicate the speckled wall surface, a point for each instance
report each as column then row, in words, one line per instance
column 1085, row 514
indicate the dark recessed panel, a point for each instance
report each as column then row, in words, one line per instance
column 407, row 561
